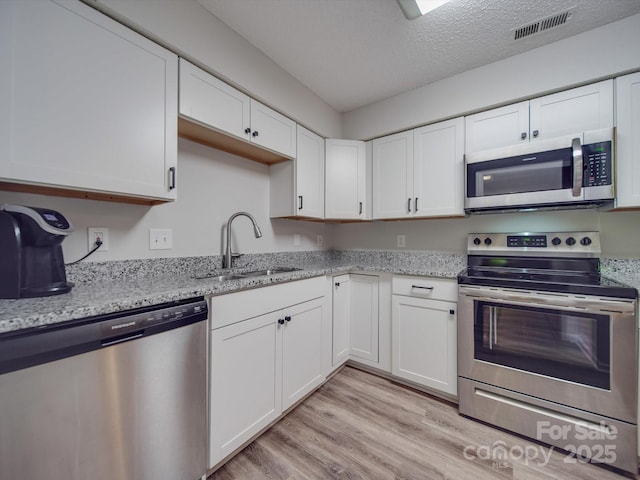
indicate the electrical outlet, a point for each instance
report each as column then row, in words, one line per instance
column 296, row 239
column 401, row 241
column 320, row 240
column 160, row 239
column 96, row 233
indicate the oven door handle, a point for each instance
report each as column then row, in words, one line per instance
column 544, row 299
column 578, row 164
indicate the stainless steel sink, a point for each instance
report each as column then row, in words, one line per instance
column 270, row 271
column 219, row 278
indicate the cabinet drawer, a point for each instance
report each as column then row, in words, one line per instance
column 234, row 307
column 426, row 287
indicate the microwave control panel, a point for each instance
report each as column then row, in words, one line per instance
column 597, row 164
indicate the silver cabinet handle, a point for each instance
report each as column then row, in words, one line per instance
column 409, row 205
column 247, row 130
column 415, row 205
column 421, row 287
column 360, row 209
column 523, row 135
column 255, row 133
column 536, row 133
column 576, row 147
column 299, row 202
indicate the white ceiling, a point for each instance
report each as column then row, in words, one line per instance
column 355, row 52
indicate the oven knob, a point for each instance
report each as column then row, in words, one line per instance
column 487, row 241
column 556, row 241
column 571, row 241
column 586, row 241
column 477, row 241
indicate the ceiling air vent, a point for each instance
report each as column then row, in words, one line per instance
column 543, row 24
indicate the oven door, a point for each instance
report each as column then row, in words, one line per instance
column 574, row 350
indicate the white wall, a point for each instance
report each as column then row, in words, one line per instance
column 619, row 231
column 212, row 185
column 590, row 56
column 190, row 30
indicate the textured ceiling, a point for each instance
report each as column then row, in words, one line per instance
column 355, row 52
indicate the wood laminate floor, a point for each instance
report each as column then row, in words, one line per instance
column 360, row 426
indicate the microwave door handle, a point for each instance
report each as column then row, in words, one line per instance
column 578, row 163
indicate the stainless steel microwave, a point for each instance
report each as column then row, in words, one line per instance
column 575, row 171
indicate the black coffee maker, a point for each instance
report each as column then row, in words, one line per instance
column 31, row 254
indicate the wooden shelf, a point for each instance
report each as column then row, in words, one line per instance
column 212, row 138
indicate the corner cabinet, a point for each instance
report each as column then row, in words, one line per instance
column 628, row 141
column 266, row 355
column 420, row 173
column 296, row 187
column 346, row 180
column 88, row 108
column 216, row 114
column 572, row 111
column 424, row 332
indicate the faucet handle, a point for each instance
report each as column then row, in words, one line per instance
column 236, row 255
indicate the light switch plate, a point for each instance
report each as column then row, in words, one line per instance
column 401, row 241
column 160, row 239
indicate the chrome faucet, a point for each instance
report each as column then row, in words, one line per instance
column 227, row 261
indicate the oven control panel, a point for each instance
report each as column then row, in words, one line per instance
column 569, row 244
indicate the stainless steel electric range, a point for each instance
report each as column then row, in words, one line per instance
column 547, row 347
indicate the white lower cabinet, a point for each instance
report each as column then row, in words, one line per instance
column 424, row 332
column 357, row 320
column 364, row 319
column 261, row 366
column 340, row 319
column 246, row 374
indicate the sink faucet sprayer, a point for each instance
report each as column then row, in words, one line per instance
column 228, row 256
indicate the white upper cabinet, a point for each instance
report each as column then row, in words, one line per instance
column 297, row 186
column 85, row 104
column 346, row 179
column 497, row 128
column 564, row 113
column 393, row 175
column 628, row 141
column 419, row 173
column 216, row 113
column 272, row 130
column 439, row 169
column 212, row 102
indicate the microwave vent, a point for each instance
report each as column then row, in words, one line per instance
column 546, row 23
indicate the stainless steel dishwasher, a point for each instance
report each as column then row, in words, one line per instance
column 115, row 397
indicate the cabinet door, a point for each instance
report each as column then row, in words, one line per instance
column 345, row 193
column 309, row 165
column 341, row 321
column 393, row 176
column 424, row 340
column 495, row 128
column 272, row 130
column 85, row 103
column 439, row 169
column 245, row 380
column 301, row 351
column 212, row 102
column 572, row 111
column 628, row 141
column 364, row 319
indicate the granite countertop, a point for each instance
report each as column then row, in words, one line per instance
column 136, row 283
column 108, row 287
